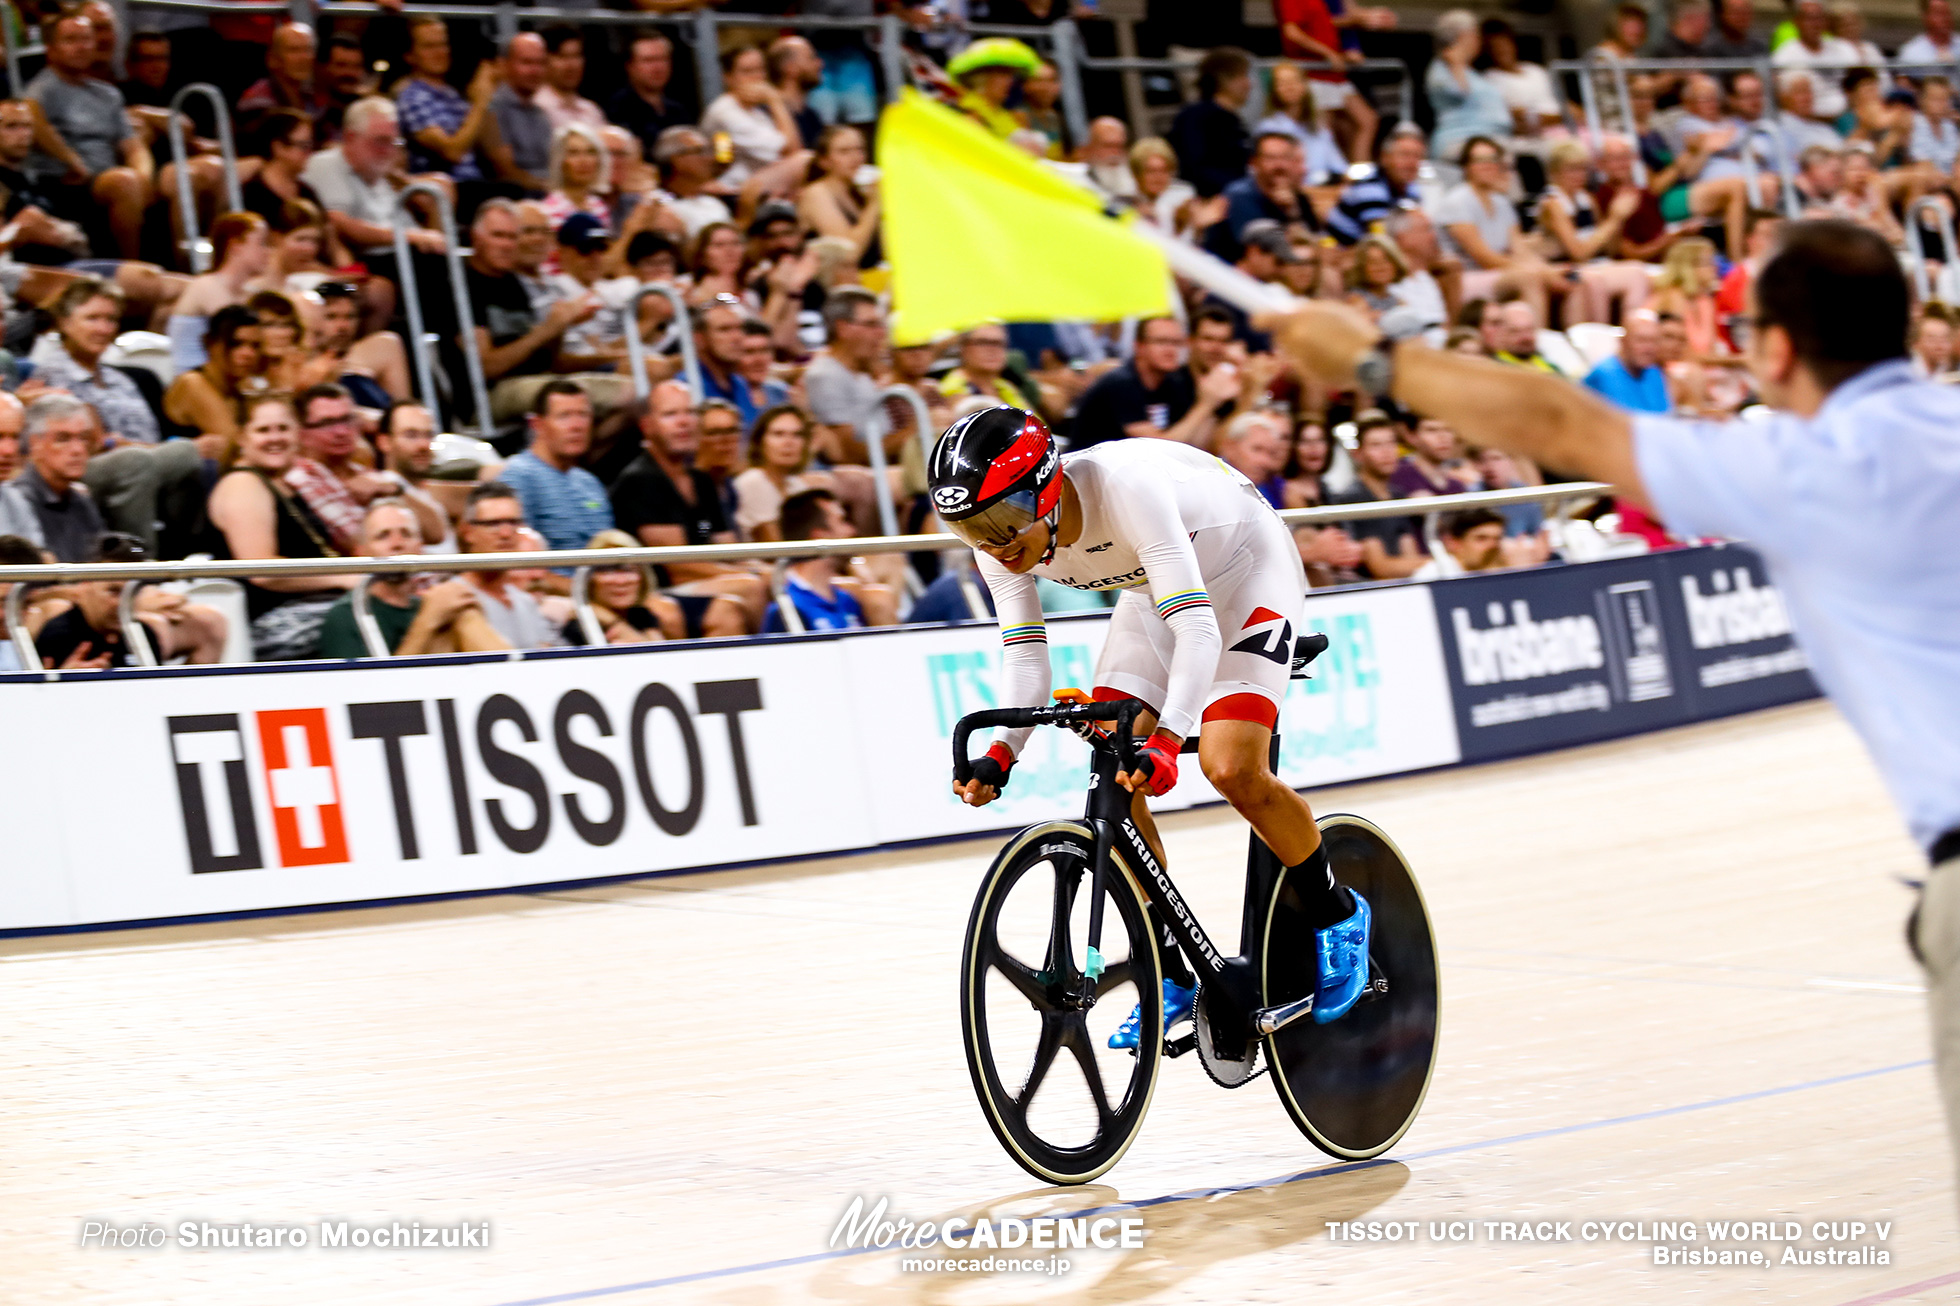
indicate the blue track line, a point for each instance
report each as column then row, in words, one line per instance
column 1194, row 1194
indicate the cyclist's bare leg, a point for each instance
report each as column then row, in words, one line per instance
column 1234, row 757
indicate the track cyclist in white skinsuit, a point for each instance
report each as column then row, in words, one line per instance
column 1212, row 595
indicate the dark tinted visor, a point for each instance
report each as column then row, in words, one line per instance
column 996, row 525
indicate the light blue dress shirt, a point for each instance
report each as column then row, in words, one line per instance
column 1857, row 512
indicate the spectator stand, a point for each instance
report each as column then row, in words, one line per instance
column 195, row 247
column 636, row 349
column 136, row 575
column 458, row 286
column 1391, row 74
column 1922, row 276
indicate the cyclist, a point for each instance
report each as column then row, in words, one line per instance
column 1212, row 590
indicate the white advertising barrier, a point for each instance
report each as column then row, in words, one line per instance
column 1378, row 703
column 142, row 795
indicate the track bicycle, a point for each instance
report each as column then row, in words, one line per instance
column 1036, row 941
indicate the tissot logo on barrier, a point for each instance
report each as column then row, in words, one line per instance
column 651, row 752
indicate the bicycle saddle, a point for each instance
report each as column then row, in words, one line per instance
column 1305, row 650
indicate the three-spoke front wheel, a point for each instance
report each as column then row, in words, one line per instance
column 1064, row 1104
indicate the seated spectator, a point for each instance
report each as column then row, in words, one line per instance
column 578, row 177
column 355, row 182
column 643, row 106
column 1847, row 24
column 562, row 501
column 38, row 607
column 684, row 203
column 87, row 316
column 1932, row 344
column 373, row 368
column 442, row 127
column 1269, row 192
column 758, row 365
column 287, row 362
column 1626, row 39
column 1496, row 470
column 832, row 203
column 983, row 369
column 1633, row 378
column 1732, row 296
column 1823, row 57
column 405, row 442
column 1515, row 339
column 1723, row 141
column 779, row 467
column 1685, row 289
column 1433, row 286
column 716, row 260
column 986, row 73
column 516, row 140
column 752, row 115
column 813, row 586
column 1389, row 185
column 89, row 635
column 1041, row 94
column 1433, row 452
column 1579, row 232
column 599, row 343
column 633, row 177
column 447, row 617
column 663, row 500
column 841, row 382
column 1391, row 547
column 1732, row 38
column 1467, row 106
column 343, row 78
column 1525, row 88
column 1377, row 268
column 38, row 234
column 1935, row 138
column 1473, row 540
column 260, row 516
column 1645, row 234
column 288, row 80
column 564, row 72
column 1154, row 394
column 1482, row 225
column 239, row 249
column 1934, row 43
column 206, row 398
column 795, row 70
column 1209, row 136
column 1796, row 121
column 300, row 241
column 1296, row 113
column 718, row 351
column 88, row 136
column 1165, row 200
column 1253, row 446
column 1330, row 554
column 1876, row 121
column 1105, row 159
column 1864, row 198
column 624, row 601
column 334, row 474
column 13, row 414
column 519, row 346
column 46, row 502
column 491, row 522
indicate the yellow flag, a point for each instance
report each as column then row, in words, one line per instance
column 976, row 230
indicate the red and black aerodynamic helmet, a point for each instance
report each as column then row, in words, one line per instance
column 993, row 474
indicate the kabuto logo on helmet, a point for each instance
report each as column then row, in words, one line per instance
column 949, row 496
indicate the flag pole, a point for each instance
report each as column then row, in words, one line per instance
column 1214, row 273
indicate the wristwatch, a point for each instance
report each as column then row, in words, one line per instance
column 1375, row 373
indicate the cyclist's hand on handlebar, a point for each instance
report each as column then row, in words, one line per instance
column 989, row 777
column 1156, row 768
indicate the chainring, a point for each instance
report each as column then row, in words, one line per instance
column 1223, row 1072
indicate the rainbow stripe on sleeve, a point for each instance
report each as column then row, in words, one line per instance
column 1033, row 633
column 1172, row 604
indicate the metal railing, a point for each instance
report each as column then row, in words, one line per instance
column 139, row 574
column 195, row 247
column 636, row 350
column 1399, row 85
column 459, row 288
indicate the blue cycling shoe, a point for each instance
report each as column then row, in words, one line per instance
column 1342, row 953
column 1177, row 1006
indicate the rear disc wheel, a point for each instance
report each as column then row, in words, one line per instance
column 1354, row 1085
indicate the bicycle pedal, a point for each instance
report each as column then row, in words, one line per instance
column 1177, row 1047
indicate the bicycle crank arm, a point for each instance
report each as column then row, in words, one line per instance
column 1269, row 1020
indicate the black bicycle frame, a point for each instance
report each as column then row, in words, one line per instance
column 1109, row 814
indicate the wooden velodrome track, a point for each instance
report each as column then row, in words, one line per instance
column 1674, row 990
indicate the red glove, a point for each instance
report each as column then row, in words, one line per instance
column 991, row 768
column 1157, row 764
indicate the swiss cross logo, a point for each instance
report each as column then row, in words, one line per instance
column 297, row 754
